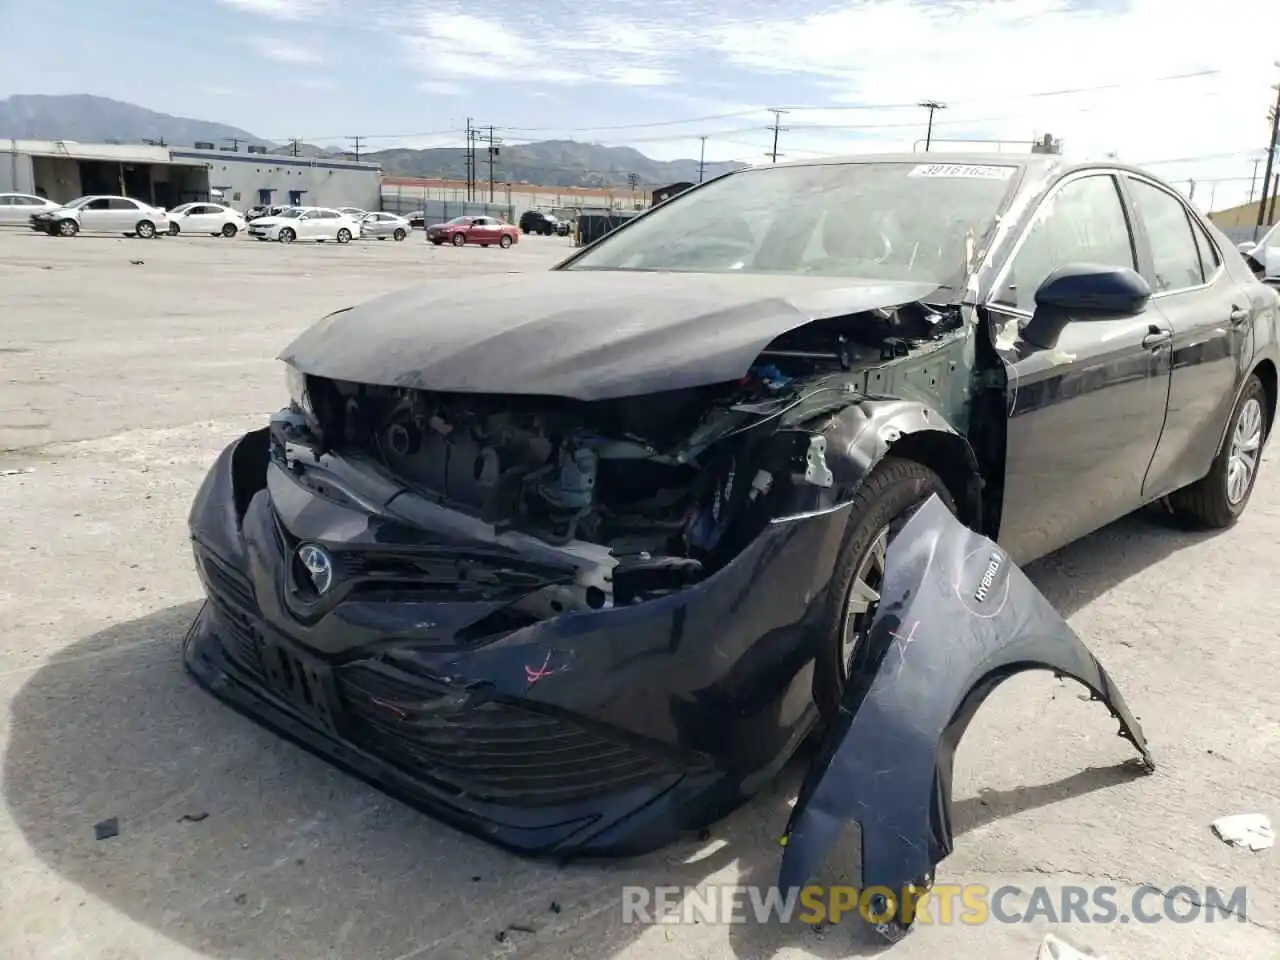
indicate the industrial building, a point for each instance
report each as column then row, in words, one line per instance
column 167, row 176
column 443, row 199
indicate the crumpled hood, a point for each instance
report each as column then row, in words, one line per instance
column 590, row 335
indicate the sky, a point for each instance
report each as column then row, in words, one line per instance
column 1183, row 87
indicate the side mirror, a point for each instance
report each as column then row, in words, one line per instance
column 1247, row 247
column 1083, row 291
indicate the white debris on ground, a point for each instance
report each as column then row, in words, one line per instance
column 1055, row 948
column 1252, row 830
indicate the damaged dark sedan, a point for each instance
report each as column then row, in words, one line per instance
column 575, row 560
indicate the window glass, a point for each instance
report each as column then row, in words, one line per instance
column 8, row 201
column 102, row 203
column 1084, row 221
column 1209, row 258
column 121, row 203
column 1175, row 261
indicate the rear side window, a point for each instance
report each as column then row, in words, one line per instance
column 1175, row 256
column 1209, row 259
column 120, row 203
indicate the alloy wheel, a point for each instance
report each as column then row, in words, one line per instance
column 864, row 595
column 1246, row 443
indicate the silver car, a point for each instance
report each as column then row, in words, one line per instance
column 102, row 214
column 379, row 226
column 16, row 208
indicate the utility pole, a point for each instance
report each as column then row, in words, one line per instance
column 1275, row 188
column 469, row 160
column 702, row 158
column 294, row 145
column 1191, row 189
column 356, row 145
column 777, row 128
column 931, row 106
column 235, row 143
column 1271, row 156
column 493, row 153
column 1253, row 181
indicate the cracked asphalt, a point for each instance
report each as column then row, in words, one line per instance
column 119, row 384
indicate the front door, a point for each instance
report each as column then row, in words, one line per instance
column 1208, row 313
column 1085, row 417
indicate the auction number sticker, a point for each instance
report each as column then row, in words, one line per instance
column 963, row 170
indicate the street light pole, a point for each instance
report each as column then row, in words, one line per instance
column 931, row 106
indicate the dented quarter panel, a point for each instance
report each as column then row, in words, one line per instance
column 956, row 619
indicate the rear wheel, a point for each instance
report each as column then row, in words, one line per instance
column 344, row 235
column 229, row 230
column 145, row 229
column 883, row 501
column 1218, row 499
column 459, row 239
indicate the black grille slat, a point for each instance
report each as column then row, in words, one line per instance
column 494, row 750
column 231, row 596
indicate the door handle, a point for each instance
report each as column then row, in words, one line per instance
column 1156, row 337
column 1239, row 315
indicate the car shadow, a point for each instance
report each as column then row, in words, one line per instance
column 238, row 844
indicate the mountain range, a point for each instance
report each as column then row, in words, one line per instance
column 564, row 163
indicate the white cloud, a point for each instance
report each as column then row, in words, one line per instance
column 981, row 56
column 285, row 52
column 447, row 46
column 280, row 9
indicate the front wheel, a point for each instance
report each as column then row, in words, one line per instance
column 883, row 501
column 145, row 229
column 437, row 243
column 399, row 234
column 1218, row 499
column 174, row 229
column 505, row 242
column 67, row 228
column 287, row 235
column 229, row 230
column 459, row 240
column 344, row 235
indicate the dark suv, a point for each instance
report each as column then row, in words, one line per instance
column 536, row 221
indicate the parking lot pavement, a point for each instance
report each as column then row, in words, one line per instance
column 120, row 384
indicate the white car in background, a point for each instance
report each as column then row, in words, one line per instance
column 355, row 213
column 16, row 208
column 1266, row 252
column 103, row 214
column 211, row 218
column 306, row 223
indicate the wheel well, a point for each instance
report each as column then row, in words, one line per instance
column 1266, row 373
column 951, row 458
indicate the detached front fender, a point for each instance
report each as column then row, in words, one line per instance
column 956, row 619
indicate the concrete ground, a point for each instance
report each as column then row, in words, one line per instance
column 120, row 382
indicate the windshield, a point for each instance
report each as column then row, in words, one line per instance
column 290, row 214
column 77, row 204
column 182, row 206
column 890, row 220
column 461, row 220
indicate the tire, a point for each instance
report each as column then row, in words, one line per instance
column 66, row 228
column 525, row 231
column 459, row 240
column 344, row 235
column 287, row 235
column 894, row 488
column 399, row 234
column 174, row 229
column 229, row 230
column 437, row 243
column 145, row 230
column 505, row 242
column 1217, row 499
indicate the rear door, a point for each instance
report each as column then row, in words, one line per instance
column 1084, row 418
column 1208, row 312
column 123, row 214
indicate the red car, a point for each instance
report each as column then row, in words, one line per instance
column 484, row 231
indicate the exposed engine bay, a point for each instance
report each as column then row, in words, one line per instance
column 658, row 490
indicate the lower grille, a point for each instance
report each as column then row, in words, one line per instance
column 493, row 751
column 231, row 597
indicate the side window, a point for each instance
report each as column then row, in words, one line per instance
column 1084, row 221
column 102, row 203
column 8, row 201
column 1209, row 259
column 121, row 203
column 1175, row 260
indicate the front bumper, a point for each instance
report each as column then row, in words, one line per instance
column 609, row 732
